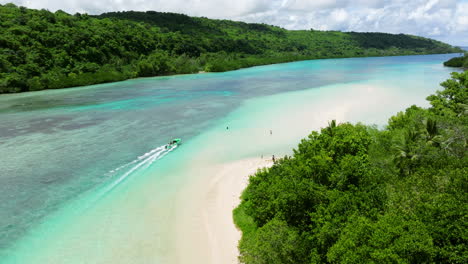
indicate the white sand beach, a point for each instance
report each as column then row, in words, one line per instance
column 216, row 238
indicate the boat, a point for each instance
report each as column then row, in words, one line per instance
column 175, row 141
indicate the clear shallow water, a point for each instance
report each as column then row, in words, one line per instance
column 56, row 145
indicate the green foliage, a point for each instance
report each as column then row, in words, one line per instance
column 282, row 244
column 453, row 100
column 157, row 63
column 44, row 50
column 356, row 194
column 458, row 62
column 390, row 239
column 244, row 221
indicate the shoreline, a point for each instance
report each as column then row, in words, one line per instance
column 183, row 214
column 211, row 210
column 205, row 72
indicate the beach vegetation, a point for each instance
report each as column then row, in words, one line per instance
column 353, row 193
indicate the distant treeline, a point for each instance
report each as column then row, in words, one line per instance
column 44, row 50
column 458, row 61
column 356, row 194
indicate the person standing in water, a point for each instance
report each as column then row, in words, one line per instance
column 227, row 128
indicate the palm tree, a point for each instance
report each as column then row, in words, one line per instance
column 404, row 152
column 331, row 126
column 432, row 133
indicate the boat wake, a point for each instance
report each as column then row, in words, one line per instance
column 140, row 163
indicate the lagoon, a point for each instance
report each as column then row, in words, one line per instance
column 84, row 176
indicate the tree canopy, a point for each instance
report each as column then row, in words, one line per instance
column 354, row 194
column 458, row 62
column 48, row 50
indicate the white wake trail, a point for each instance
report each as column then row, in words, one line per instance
column 158, row 149
column 141, row 162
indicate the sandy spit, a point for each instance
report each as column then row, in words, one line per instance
column 207, row 233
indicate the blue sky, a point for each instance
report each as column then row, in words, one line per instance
column 445, row 20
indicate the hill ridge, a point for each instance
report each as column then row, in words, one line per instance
column 40, row 49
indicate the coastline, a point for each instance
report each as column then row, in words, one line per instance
column 178, row 218
column 204, row 228
column 212, row 202
column 181, row 210
column 202, row 72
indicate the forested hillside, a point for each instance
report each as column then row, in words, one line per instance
column 356, row 194
column 44, row 50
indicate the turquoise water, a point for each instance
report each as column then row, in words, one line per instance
column 64, row 148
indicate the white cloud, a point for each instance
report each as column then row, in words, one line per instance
column 446, row 20
column 435, row 32
column 339, row 15
column 306, row 5
column 212, row 8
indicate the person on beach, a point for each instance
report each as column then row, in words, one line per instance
column 271, row 132
column 273, row 158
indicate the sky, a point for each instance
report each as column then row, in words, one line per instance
column 444, row 20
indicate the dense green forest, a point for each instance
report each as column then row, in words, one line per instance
column 357, row 194
column 44, row 50
column 458, row 61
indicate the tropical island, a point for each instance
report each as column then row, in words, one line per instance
column 458, row 62
column 352, row 193
column 87, row 174
column 41, row 50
